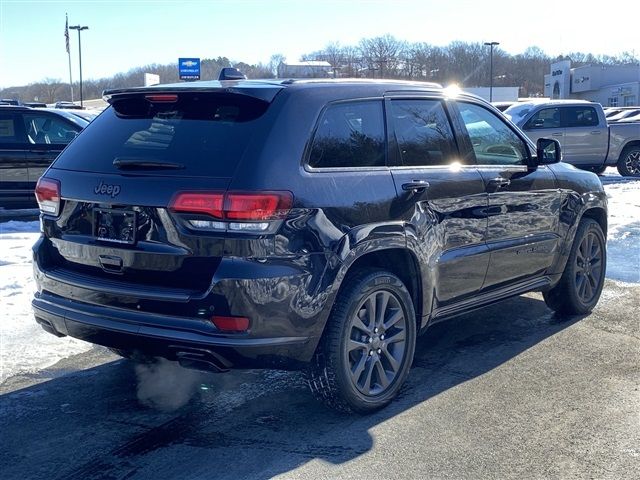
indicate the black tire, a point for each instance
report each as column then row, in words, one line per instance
column 581, row 284
column 360, row 365
column 629, row 162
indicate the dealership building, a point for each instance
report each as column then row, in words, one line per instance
column 612, row 86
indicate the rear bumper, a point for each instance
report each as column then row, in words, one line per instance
column 165, row 336
column 286, row 303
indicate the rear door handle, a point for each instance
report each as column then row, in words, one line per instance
column 596, row 132
column 497, row 183
column 415, row 186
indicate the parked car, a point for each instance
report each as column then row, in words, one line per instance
column 314, row 225
column 87, row 115
column 587, row 140
column 29, row 141
column 35, row 104
column 69, row 105
column 10, row 101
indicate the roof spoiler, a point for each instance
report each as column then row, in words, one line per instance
column 230, row 73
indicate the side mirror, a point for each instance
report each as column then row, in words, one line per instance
column 548, row 151
column 538, row 123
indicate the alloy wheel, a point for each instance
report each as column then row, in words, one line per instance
column 589, row 271
column 376, row 345
column 632, row 162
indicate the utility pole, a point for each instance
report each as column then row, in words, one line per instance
column 491, row 44
column 79, row 29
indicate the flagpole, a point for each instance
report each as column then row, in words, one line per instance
column 66, row 34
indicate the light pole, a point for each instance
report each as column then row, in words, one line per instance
column 491, row 44
column 79, row 29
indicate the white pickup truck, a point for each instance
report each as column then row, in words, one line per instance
column 587, row 140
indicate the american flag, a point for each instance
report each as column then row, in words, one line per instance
column 66, row 33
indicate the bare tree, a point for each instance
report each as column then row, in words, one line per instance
column 381, row 55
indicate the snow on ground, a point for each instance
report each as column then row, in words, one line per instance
column 25, row 347
column 623, row 239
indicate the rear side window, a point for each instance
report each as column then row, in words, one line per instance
column 207, row 134
column 350, row 135
column 10, row 130
column 580, row 117
column 545, row 118
column 423, row 132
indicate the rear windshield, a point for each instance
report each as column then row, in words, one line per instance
column 198, row 134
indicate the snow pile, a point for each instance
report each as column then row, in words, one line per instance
column 623, row 239
column 24, row 346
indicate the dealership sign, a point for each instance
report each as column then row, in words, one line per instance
column 189, row 68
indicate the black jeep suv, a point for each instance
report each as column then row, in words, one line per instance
column 315, row 225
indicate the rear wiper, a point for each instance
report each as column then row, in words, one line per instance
column 120, row 162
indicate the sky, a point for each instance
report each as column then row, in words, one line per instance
column 127, row 34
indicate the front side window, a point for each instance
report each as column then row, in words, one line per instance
column 46, row 129
column 545, row 118
column 580, row 117
column 423, row 132
column 494, row 143
column 350, row 135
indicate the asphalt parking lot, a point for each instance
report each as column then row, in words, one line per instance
column 511, row 391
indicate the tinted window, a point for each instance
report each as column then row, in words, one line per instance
column 545, row 118
column 494, row 143
column 207, row 133
column 10, row 129
column 580, row 117
column 350, row 135
column 423, row 132
column 47, row 129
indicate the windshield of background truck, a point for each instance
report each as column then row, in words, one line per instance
column 516, row 113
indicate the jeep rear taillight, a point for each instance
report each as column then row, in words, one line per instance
column 48, row 195
column 257, row 206
column 240, row 211
column 206, row 203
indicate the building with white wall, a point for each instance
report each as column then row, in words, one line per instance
column 612, row 86
column 500, row 94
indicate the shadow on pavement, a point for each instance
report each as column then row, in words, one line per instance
column 251, row 424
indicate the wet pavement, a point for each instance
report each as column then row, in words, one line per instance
column 510, row 391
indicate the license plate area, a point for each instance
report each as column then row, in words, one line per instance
column 117, row 226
